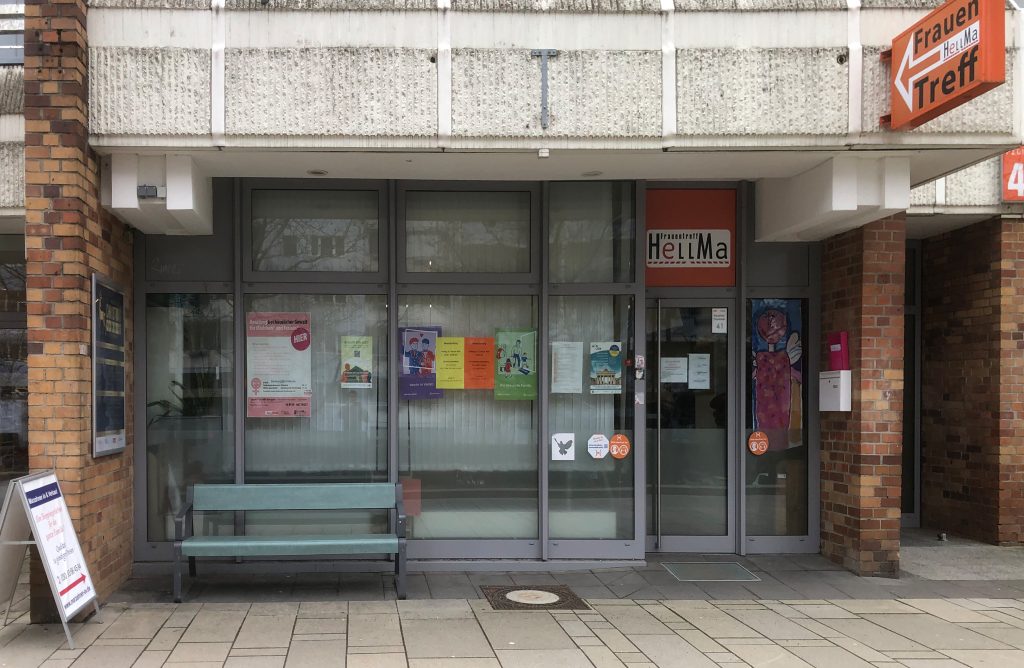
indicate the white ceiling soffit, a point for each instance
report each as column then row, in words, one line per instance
column 158, row 194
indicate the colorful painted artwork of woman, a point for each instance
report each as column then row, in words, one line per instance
column 777, row 349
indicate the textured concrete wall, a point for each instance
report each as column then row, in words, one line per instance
column 152, row 4
column 12, row 89
column 991, row 113
column 978, row 185
column 756, row 5
column 923, row 195
column 331, row 91
column 496, row 93
column 12, row 175
column 143, row 91
column 746, row 92
column 332, row 5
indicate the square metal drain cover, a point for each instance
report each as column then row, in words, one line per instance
column 709, row 571
column 533, row 597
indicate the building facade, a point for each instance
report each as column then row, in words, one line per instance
column 568, row 272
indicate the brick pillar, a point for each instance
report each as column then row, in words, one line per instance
column 67, row 239
column 863, row 294
column 972, row 382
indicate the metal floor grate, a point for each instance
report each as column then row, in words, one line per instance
column 709, row 571
column 543, row 597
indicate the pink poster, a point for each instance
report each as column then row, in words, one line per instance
column 278, row 365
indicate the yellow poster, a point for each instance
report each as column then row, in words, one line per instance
column 451, row 362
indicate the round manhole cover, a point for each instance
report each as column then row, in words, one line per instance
column 532, row 597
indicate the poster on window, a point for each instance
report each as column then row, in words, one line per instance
column 515, row 373
column 451, row 362
column 417, row 374
column 356, row 362
column 606, row 367
column 108, row 358
column 278, row 365
column 479, row 363
column 776, row 349
column 566, row 367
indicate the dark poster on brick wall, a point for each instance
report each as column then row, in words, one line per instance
column 108, row 368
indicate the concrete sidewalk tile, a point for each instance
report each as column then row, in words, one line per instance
column 435, row 609
column 444, row 638
column 671, row 652
column 372, row 608
column 877, row 606
column 254, row 662
column 602, row 657
column 787, row 611
column 320, row 625
column 33, row 645
column 824, row 611
column 860, row 649
column 725, row 657
column 661, row 613
column 199, row 651
column 166, row 639
column 543, row 658
column 772, row 625
column 378, row 649
column 576, row 628
column 370, row 630
column 307, row 653
column 151, row 659
column 1001, row 616
column 1007, row 658
column 260, row 651
column 923, row 663
column 63, row 654
column 934, row 633
column 615, row 641
column 454, row 663
column 716, row 623
column 222, row 606
column 871, row 635
column 137, row 624
column 183, row 616
column 819, row 628
column 946, row 610
column 829, row 657
column 773, row 656
column 57, row 663
column 600, row 625
column 915, row 655
column 393, row 660
column 323, row 609
column 141, row 642
column 214, row 626
column 700, row 641
column 265, row 631
column 108, row 656
column 584, row 641
column 633, row 620
column 525, row 631
column 804, row 642
column 274, row 608
column 1010, row 635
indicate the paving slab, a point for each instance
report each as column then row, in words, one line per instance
column 108, row 656
column 435, row 609
column 151, row 659
column 320, row 625
column 371, row 630
column 602, row 657
column 307, row 653
column 165, row 639
column 988, row 658
column 871, row 635
column 214, row 626
column 934, row 633
column 829, row 657
column 142, row 623
column 633, row 619
column 331, row 609
column 524, row 631
column 190, row 652
column 769, row 656
column 543, row 658
column 714, row 622
column 946, row 610
column 454, row 663
column 265, row 631
column 445, row 638
column 671, row 651
column 254, row 662
column 773, row 625
column 392, row 660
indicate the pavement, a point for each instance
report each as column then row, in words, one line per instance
column 963, row 606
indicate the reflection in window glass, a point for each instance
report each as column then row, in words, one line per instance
column 467, row 460
column 344, row 439
column 591, row 232
column 777, row 480
column 589, row 498
column 315, row 230
column 13, row 405
column 189, row 412
column 12, row 273
column 467, row 232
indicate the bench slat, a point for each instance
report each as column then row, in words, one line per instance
column 286, row 546
column 355, row 496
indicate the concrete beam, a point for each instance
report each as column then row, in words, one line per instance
column 183, row 204
column 840, row 194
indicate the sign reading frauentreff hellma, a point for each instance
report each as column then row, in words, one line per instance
column 952, row 55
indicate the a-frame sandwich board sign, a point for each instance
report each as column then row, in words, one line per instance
column 35, row 513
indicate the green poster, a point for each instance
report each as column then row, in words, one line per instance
column 515, row 370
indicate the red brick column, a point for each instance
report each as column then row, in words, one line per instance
column 67, row 239
column 863, row 294
column 972, row 382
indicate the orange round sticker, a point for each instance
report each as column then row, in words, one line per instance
column 757, row 443
column 619, row 446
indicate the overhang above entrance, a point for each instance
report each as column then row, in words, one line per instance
column 158, row 194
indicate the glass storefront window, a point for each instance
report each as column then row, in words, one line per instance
column 460, row 232
column 776, row 482
column 590, row 498
column 315, row 230
column 591, row 232
column 468, row 458
column 189, row 404
column 12, row 273
column 339, row 433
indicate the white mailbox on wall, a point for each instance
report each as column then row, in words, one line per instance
column 835, row 390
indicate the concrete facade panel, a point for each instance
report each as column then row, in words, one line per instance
column 12, row 175
column 12, row 89
column 991, row 113
column 977, row 185
column 151, row 4
column 332, row 5
column 756, row 5
column 497, row 93
column 149, row 91
column 923, row 195
column 744, row 92
column 331, row 91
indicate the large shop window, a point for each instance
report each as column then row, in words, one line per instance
column 316, row 401
column 591, row 404
column 468, row 415
column 189, row 404
column 777, row 407
column 591, row 232
column 13, row 361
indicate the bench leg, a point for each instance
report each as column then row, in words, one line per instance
column 400, row 570
column 191, row 567
column 177, row 572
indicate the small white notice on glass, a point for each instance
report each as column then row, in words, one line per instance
column 563, row 447
column 719, row 320
column 674, row 370
column 700, row 371
column 566, row 367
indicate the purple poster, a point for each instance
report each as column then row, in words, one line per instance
column 416, row 378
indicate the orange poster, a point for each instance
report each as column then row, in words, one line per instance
column 479, row 367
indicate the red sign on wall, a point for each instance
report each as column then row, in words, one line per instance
column 952, row 55
column 1013, row 175
column 691, row 238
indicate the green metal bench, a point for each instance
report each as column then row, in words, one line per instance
column 339, row 496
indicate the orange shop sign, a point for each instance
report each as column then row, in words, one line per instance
column 952, row 55
column 1013, row 175
column 691, row 235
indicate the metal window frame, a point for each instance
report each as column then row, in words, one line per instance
column 912, row 520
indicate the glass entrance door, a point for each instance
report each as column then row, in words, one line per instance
column 690, row 417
